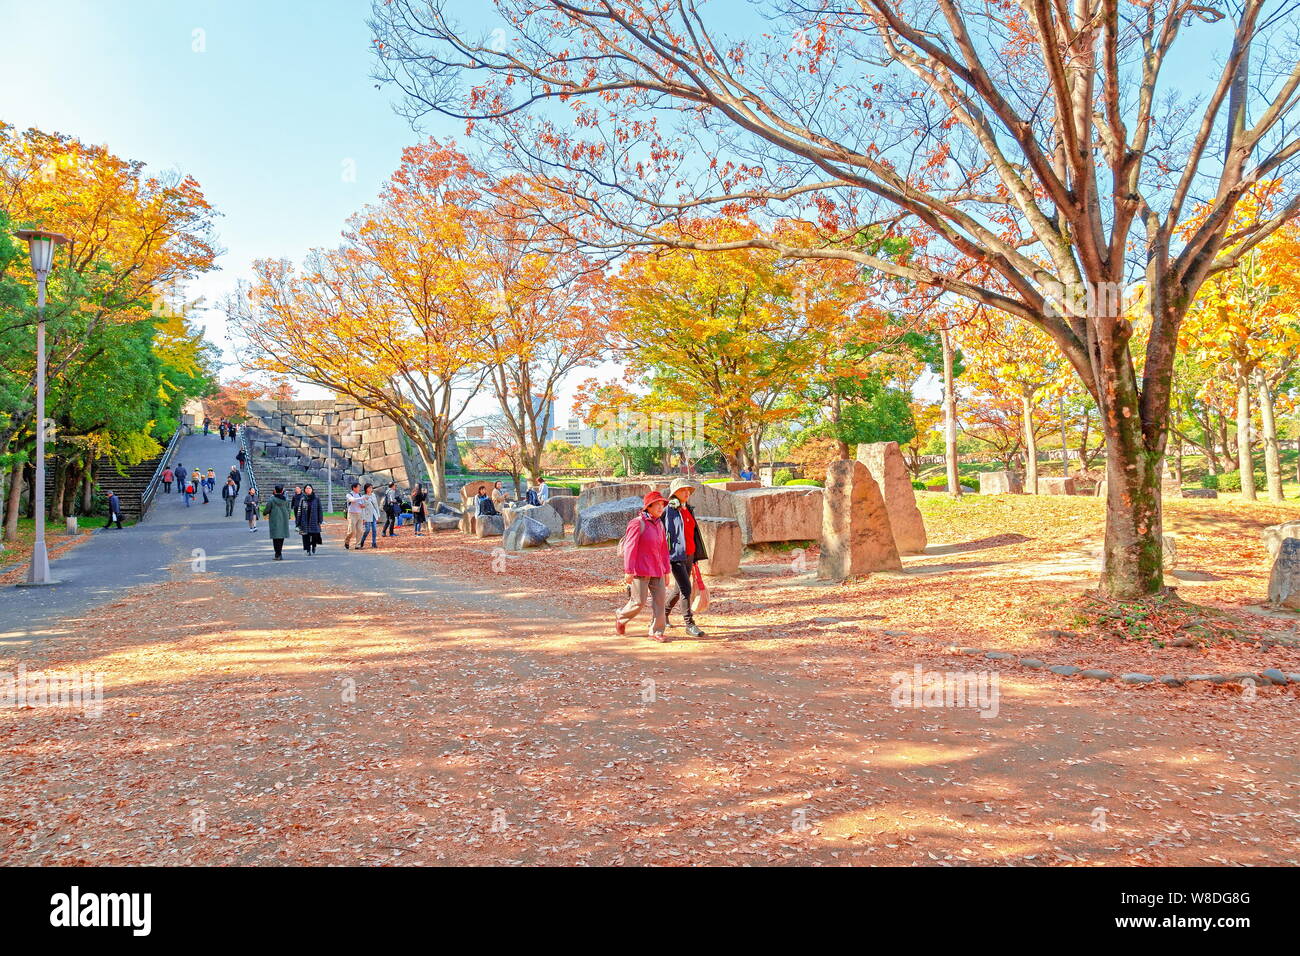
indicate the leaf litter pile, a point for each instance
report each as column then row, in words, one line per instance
column 499, row 720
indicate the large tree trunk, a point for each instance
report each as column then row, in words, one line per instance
column 1268, row 428
column 1245, row 464
column 949, row 417
column 15, row 499
column 1031, row 445
column 61, row 467
column 1135, row 446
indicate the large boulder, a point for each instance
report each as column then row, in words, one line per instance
column 1000, row 483
column 599, row 493
column 1056, row 486
column 442, row 522
column 544, row 514
column 1284, row 582
column 1274, row 535
column 445, row 509
column 525, row 532
column 566, row 506
column 722, row 544
column 789, row 513
column 856, row 535
column 466, row 521
column 710, row 501
column 605, row 522
column 885, row 462
column 489, row 526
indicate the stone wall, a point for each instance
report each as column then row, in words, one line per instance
column 367, row 446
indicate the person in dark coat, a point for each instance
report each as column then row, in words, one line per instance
column 418, row 508
column 114, row 511
column 250, row 509
column 230, row 494
column 276, row 510
column 236, row 477
column 240, row 458
column 293, row 503
column 685, row 547
column 309, row 517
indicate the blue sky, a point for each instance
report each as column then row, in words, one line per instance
column 269, row 105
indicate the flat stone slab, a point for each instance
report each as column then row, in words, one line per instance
column 1032, row 662
column 1274, row 675
column 779, row 514
column 1096, row 673
column 1000, row 483
column 1137, row 678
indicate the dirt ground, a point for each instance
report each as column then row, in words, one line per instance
column 343, row 715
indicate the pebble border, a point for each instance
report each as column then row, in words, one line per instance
column 1269, row 676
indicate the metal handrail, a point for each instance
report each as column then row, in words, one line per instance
column 248, row 461
column 151, row 489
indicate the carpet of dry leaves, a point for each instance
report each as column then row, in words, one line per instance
column 498, row 719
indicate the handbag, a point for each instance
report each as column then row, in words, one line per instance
column 699, row 593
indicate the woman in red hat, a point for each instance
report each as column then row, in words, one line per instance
column 645, row 566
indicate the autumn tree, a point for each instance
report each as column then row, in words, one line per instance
column 1038, row 157
column 394, row 318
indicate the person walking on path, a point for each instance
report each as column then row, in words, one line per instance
column 418, row 507
column 236, row 477
column 230, row 494
column 645, row 567
column 392, row 508
column 181, row 475
column 685, row 548
column 232, row 431
column 212, row 479
column 168, row 476
column 370, row 519
column 276, row 510
column 221, row 428
column 207, row 424
column 356, row 515
column 309, row 517
column 293, row 502
column 114, row 511
column 250, row 509
column 187, row 488
column 240, row 459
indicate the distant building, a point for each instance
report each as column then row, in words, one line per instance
column 577, row 434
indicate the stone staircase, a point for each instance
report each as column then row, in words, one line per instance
column 130, row 483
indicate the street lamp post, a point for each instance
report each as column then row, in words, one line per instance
column 41, row 246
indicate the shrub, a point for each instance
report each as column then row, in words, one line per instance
column 1211, row 481
column 804, row 481
column 919, row 485
column 783, row 476
column 620, row 471
column 1231, row 481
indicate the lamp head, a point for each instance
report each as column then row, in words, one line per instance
column 41, row 243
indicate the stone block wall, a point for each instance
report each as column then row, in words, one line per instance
column 367, row 446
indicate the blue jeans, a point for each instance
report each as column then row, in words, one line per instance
column 372, row 529
column 188, row 496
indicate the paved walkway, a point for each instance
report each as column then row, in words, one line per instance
column 163, row 546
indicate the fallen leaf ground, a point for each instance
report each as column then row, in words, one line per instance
column 334, row 721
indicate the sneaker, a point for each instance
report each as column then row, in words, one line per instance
column 694, row 630
column 620, row 627
column 346, row 546
column 661, row 638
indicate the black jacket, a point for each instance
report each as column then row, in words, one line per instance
column 675, row 527
column 308, row 515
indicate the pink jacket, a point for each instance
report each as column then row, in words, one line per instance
column 645, row 547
